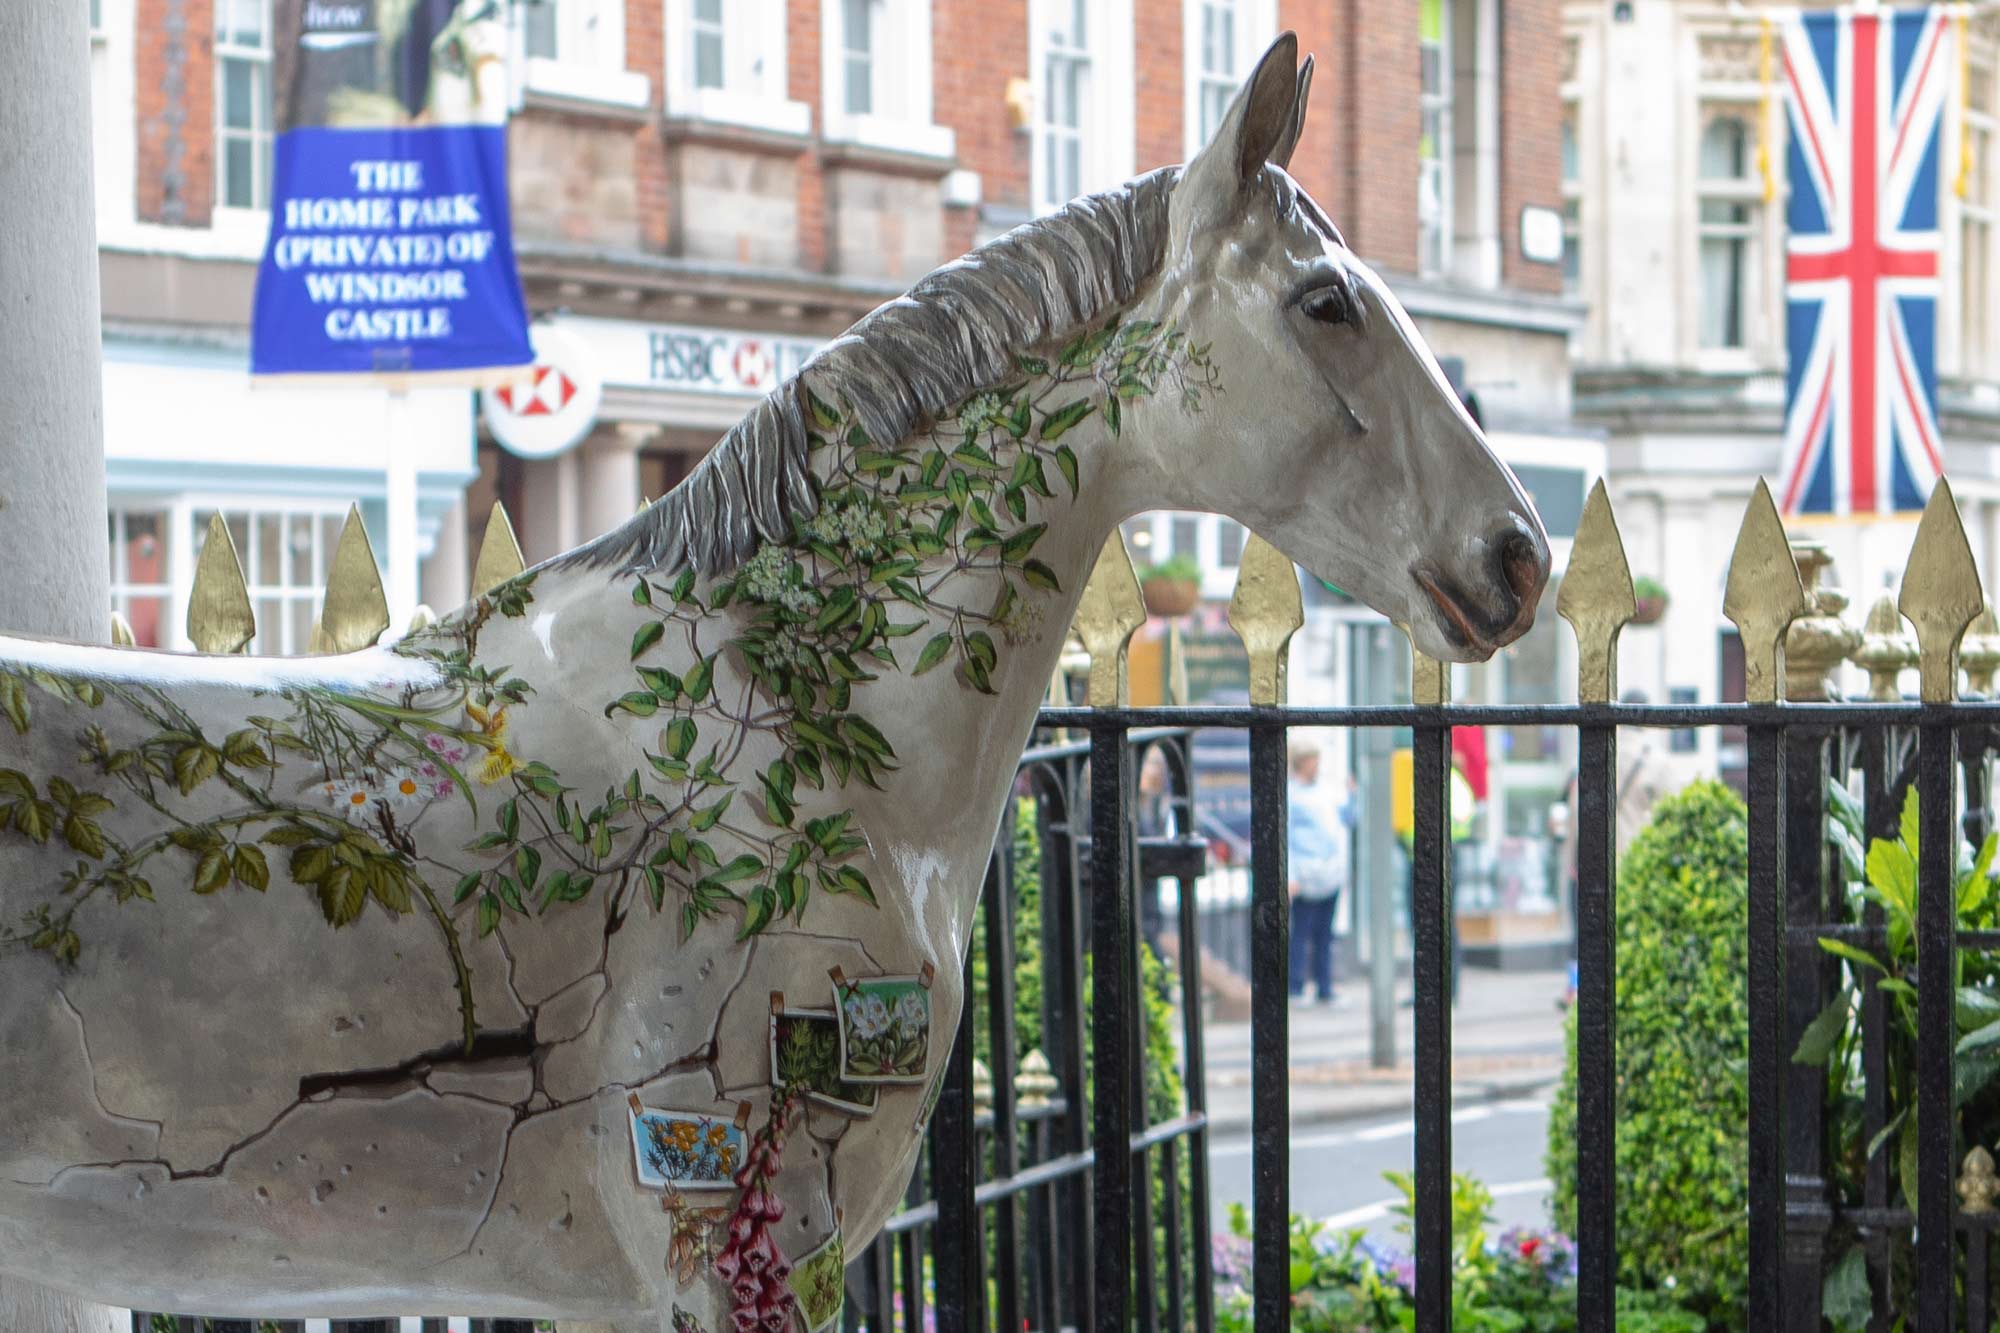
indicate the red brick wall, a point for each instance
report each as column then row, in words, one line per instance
column 977, row 48
column 1317, row 162
column 1379, row 84
column 646, row 53
column 1159, row 75
column 175, row 69
column 802, row 70
column 1530, row 131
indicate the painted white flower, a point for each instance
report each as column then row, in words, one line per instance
column 912, row 1014
column 351, row 796
column 406, row 789
column 867, row 1016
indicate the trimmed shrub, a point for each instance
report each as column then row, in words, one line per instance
column 1682, row 1055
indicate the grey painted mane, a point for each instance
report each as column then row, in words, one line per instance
column 956, row 332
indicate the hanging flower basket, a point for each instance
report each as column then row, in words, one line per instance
column 1650, row 598
column 1172, row 587
column 1170, row 597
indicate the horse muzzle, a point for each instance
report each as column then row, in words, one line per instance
column 1517, row 572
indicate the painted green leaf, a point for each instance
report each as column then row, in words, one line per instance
column 489, row 914
column 1040, row 575
column 639, row 703
column 82, row 834
column 707, row 818
column 1017, row 546
column 195, row 764
column 757, row 914
column 1066, row 464
column 528, row 865
column 35, row 820
column 466, row 885
column 933, row 653
column 699, row 679
column 211, row 872
column 1057, row 423
column 510, row 818
column 647, row 635
column 680, row 736
column 642, row 593
column 250, row 868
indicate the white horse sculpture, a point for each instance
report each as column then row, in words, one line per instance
column 594, row 953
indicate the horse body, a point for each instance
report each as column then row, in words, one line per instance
column 595, row 952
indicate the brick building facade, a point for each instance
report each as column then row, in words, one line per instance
column 705, row 190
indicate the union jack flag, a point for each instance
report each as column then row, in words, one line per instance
column 1865, row 93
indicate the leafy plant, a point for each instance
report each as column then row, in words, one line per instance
column 1682, row 1059
column 1647, row 589
column 1174, row 569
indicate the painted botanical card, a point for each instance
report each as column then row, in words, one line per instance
column 820, row 1282
column 885, row 1028
column 685, row 1150
column 805, row 1050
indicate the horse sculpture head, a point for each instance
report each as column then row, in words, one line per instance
column 1340, row 440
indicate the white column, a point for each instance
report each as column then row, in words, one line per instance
column 611, row 476
column 547, row 524
column 52, row 510
column 400, row 495
column 446, row 574
column 53, row 543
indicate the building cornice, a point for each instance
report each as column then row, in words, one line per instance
column 1502, row 307
column 623, row 284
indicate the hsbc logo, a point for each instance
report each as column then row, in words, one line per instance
column 552, row 404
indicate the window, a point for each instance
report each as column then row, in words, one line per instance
column 243, row 103
column 1185, row 537
column 141, row 577
column 877, row 75
column 1975, row 222
column 575, row 51
column 1218, row 63
column 96, row 18
column 286, row 555
column 708, row 41
column 1080, row 63
column 1228, row 543
column 858, row 55
column 1221, row 41
column 1730, row 199
column 1065, row 95
column 1433, row 137
column 726, row 64
column 1572, row 205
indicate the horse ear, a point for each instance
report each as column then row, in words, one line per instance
column 1255, row 126
column 1282, row 154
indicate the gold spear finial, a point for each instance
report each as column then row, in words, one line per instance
column 1266, row 610
column 1940, row 594
column 219, row 618
column 500, row 556
column 356, row 610
column 1597, row 598
column 1764, row 594
column 1108, row 614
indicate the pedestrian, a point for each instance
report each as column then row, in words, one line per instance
column 1318, row 856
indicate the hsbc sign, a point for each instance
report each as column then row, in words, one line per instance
column 687, row 359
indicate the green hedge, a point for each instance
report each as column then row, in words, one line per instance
column 1682, row 1056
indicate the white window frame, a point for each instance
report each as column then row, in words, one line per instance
column 291, row 586
column 1256, row 28
column 1435, row 173
column 260, row 134
column 900, row 116
column 1107, row 132
column 589, row 60
column 754, row 91
column 125, row 590
column 1746, row 190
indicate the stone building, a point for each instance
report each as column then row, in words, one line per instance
column 1677, row 250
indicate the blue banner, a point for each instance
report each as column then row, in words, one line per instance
column 391, row 250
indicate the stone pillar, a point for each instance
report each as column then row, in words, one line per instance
column 547, row 524
column 611, row 476
column 447, row 573
column 52, row 535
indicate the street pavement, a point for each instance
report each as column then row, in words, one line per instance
column 1351, row 1118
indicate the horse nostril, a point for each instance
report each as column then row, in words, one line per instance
column 1524, row 567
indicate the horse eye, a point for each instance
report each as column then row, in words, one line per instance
column 1328, row 305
